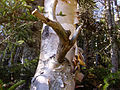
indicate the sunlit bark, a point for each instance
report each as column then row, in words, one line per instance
column 52, row 73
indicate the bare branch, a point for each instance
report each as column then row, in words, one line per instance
column 55, row 25
column 63, row 48
column 75, row 35
column 5, row 39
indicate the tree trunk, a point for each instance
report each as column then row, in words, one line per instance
column 53, row 71
column 114, row 48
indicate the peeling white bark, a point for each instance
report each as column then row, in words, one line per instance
column 50, row 74
column 50, row 44
column 68, row 8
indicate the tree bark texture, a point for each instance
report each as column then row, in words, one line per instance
column 53, row 71
column 114, row 47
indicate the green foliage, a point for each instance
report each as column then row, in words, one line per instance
column 41, row 9
column 16, row 21
column 20, row 42
column 95, row 40
column 101, row 78
column 30, row 67
column 87, row 5
column 18, row 72
column 61, row 14
column 15, row 18
column 1, row 85
column 112, row 80
column 14, row 10
column 13, row 87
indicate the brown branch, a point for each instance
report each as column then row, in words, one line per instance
column 60, row 31
column 63, row 48
column 5, row 40
column 5, row 20
column 65, row 44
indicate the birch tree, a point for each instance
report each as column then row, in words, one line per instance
column 58, row 39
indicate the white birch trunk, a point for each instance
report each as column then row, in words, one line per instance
column 50, row 74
